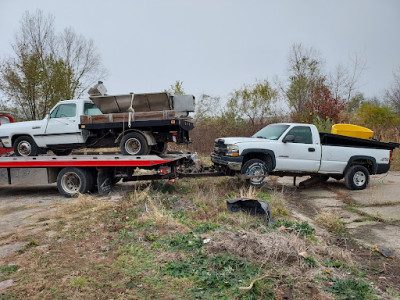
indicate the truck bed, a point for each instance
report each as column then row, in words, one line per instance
column 329, row 139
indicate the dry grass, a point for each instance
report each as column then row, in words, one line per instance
column 330, row 220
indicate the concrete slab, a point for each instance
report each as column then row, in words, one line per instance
column 382, row 189
column 379, row 234
column 388, row 213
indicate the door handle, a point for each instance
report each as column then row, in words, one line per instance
column 311, row 149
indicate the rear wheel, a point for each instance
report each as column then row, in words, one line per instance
column 255, row 167
column 134, row 143
column 25, row 146
column 74, row 181
column 356, row 177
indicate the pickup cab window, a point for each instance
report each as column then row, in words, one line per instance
column 91, row 109
column 64, row 111
column 302, row 134
column 271, row 132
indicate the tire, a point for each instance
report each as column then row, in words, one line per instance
column 25, row 146
column 74, row 181
column 160, row 148
column 134, row 143
column 62, row 152
column 356, row 177
column 255, row 167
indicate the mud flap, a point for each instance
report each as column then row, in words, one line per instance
column 253, row 207
column 104, row 181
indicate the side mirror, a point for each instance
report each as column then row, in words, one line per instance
column 288, row 139
column 47, row 117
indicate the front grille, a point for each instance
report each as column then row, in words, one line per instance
column 220, row 147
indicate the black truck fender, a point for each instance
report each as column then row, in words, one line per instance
column 359, row 159
column 253, row 152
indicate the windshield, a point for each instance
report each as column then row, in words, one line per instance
column 91, row 110
column 271, row 132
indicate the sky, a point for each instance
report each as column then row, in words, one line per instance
column 217, row 46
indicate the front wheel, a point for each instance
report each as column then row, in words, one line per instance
column 25, row 146
column 356, row 177
column 74, row 181
column 257, row 169
column 134, row 143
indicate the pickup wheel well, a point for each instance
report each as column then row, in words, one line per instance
column 368, row 164
column 14, row 137
column 263, row 156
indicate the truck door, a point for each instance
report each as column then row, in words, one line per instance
column 62, row 126
column 302, row 154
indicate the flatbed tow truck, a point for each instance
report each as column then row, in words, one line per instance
column 76, row 174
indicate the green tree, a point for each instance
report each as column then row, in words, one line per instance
column 253, row 102
column 176, row 88
column 375, row 116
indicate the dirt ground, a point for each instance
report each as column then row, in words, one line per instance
column 372, row 216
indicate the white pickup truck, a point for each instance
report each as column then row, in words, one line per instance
column 79, row 123
column 290, row 149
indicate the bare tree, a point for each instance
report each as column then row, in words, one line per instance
column 392, row 95
column 82, row 58
column 46, row 67
column 344, row 80
column 208, row 107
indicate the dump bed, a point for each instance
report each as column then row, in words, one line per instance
column 181, row 104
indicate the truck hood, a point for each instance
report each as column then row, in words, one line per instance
column 6, row 128
column 239, row 140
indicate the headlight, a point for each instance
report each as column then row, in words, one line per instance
column 233, row 150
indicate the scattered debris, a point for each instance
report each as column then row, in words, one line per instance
column 384, row 251
column 251, row 206
column 246, row 288
column 303, row 254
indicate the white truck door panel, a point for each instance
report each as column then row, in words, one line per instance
column 62, row 126
column 300, row 155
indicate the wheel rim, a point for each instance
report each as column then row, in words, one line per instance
column 132, row 146
column 256, row 170
column 71, row 183
column 24, row 148
column 359, row 178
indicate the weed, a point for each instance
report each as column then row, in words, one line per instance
column 331, row 221
column 184, row 242
column 29, row 245
column 350, row 288
column 335, row 264
column 276, row 203
column 215, row 277
column 79, row 282
column 206, row 227
column 6, row 271
column 302, row 228
column 310, row 261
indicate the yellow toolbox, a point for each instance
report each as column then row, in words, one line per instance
column 353, row 131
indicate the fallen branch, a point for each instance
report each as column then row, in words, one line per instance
column 246, row 288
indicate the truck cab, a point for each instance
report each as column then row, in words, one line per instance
column 60, row 127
